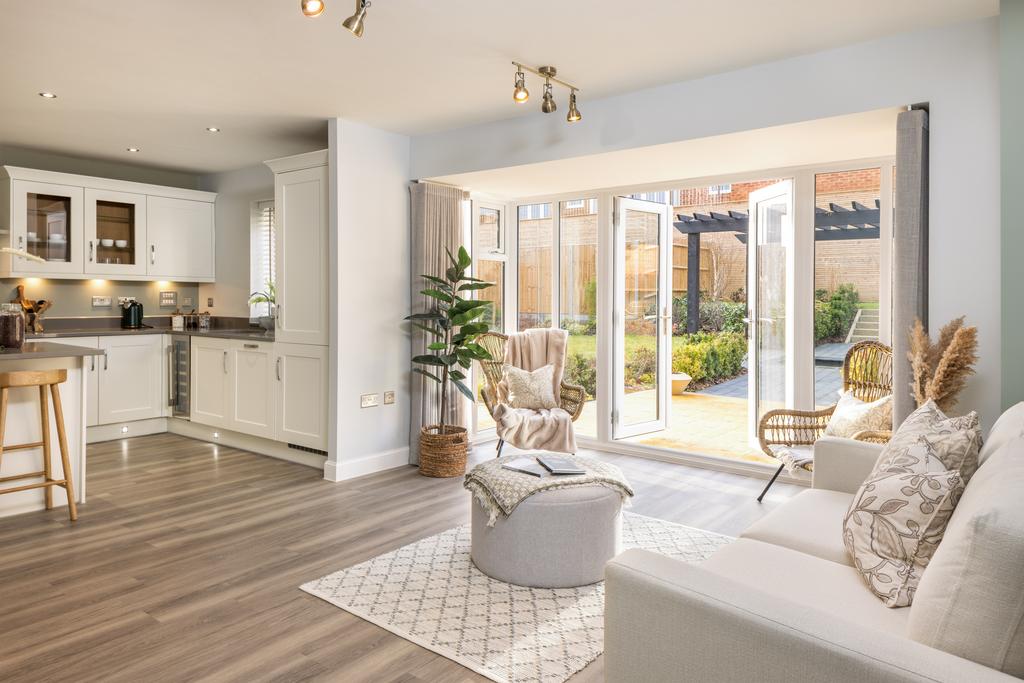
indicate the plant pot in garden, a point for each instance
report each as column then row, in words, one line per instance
column 443, row 454
column 680, row 380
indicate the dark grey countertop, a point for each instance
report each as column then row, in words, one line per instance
column 33, row 350
column 251, row 333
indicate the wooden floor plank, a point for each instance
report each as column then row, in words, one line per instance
column 186, row 561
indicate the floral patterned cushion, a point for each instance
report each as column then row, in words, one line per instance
column 899, row 515
column 853, row 415
column 532, row 390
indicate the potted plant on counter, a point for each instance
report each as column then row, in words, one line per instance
column 453, row 324
column 268, row 297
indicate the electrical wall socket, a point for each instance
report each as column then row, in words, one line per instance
column 121, row 300
column 368, row 401
column 389, row 397
column 101, row 302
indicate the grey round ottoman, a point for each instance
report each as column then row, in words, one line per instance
column 554, row 539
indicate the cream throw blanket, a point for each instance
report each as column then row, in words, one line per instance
column 548, row 430
column 500, row 491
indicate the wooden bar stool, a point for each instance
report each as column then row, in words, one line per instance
column 43, row 379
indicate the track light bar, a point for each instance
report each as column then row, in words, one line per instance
column 550, row 75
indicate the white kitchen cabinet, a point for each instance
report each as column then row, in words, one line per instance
column 211, row 381
column 301, row 197
column 93, row 365
column 251, row 374
column 45, row 219
column 181, row 239
column 115, row 233
column 131, row 378
column 301, row 374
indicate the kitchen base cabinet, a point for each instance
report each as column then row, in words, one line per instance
column 211, row 381
column 301, row 373
column 93, row 365
column 252, row 390
column 131, row 381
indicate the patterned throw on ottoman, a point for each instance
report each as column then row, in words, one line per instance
column 546, row 532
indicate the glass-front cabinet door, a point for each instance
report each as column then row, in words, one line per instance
column 47, row 223
column 115, row 233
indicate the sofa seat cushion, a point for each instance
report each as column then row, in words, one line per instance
column 1009, row 427
column 811, row 522
column 806, row 580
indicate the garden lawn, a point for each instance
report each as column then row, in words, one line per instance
column 586, row 345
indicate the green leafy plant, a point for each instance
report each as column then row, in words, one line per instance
column 267, row 296
column 454, row 323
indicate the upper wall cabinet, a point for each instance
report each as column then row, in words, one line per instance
column 84, row 227
column 301, row 197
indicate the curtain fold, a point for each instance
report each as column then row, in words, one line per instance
column 910, row 249
column 437, row 225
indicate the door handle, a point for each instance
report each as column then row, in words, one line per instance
column 152, row 254
column 90, row 251
column 278, row 364
column 172, row 391
column 225, row 362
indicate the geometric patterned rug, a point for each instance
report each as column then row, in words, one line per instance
column 429, row 592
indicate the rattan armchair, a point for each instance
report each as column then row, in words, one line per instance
column 571, row 398
column 867, row 372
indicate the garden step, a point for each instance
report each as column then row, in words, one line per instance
column 863, row 337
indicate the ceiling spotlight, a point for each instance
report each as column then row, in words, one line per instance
column 312, row 8
column 574, row 113
column 548, row 105
column 520, row 94
column 355, row 22
column 212, row 129
column 48, row 95
column 133, row 150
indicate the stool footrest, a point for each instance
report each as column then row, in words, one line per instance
column 21, row 447
column 26, row 487
column 27, row 475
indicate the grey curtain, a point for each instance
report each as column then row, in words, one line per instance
column 437, row 224
column 910, row 249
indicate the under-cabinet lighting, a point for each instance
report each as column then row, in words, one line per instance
column 97, row 281
column 33, row 280
column 162, row 283
column 48, row 95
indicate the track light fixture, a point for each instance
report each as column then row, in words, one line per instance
column 355, row 22
column 548, row 105
column 312, row 8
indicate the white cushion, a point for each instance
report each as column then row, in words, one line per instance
column 810, row 522
column 852, row 415
column 970, row 601
column 1008, row 427
column 805, row 580
column 531, row 390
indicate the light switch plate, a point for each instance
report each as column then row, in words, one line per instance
column 389, row 397
column 101, row 302
column 368, row 401
column 209, row 302
column 169, row 298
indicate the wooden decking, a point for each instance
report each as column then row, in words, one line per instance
column 186, row 560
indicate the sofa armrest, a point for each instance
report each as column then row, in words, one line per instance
column 843, row 464
column 666, row 620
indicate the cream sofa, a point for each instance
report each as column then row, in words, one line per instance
column 783, row 603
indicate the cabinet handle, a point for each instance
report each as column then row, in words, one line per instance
column 277, row 317
column 92, row 363
column 278, row 368
column 21, row 242
column 172, row 390
column 251, row 346
column 225, row 362
column 90, row 251
column 152, row 254
column 106, row 360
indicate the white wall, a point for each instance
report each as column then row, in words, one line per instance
column 370, row 277
column 955, row 69
column 236, row 191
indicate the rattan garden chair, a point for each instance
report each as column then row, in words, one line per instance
column 571, row 398
column 867, row 372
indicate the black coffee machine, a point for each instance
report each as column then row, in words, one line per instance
column 131, row 315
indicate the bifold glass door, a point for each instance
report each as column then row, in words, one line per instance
column 770, row 299
column 642, row 318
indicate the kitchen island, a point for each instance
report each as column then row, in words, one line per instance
column 23, row 423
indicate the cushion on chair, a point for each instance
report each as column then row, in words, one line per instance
column 852, row 415
column 806, row 580
column 798, row 460
column 970, row 601
column 811, row 522
column 530, row 389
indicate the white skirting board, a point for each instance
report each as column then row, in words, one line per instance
column 274, row 449
column 124, row 430
column 368, row 464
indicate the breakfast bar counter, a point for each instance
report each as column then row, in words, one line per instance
column 23, row 423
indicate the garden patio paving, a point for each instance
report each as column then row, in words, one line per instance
column 827, row 383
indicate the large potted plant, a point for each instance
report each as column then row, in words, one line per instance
column 453, row 323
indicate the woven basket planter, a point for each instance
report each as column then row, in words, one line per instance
column 443, row 455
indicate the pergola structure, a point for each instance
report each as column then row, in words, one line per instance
column 837, row 222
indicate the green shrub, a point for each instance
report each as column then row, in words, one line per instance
column 582, row 370
column 641, row 367
column 715, row 316
column 834, row 313
column 707, row 356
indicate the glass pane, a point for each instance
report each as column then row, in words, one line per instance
column 535, row 236
column 115, row 232
column 488, row 232
column 773, row 222
column 492, row 271
column 847, row 273
column 642, row 273
column 49, row 227
column 578, row 301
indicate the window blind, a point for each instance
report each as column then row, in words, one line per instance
column 261, row 256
